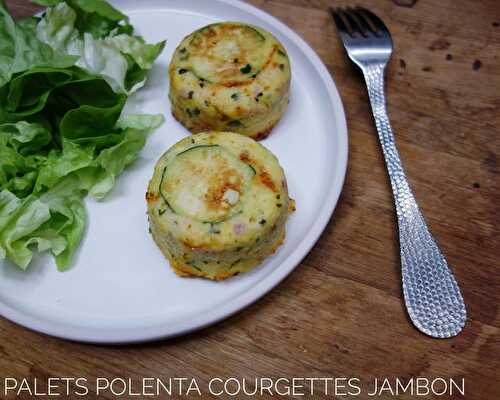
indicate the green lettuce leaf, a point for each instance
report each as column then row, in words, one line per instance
column 57, row 28
column 8, row 204
column 28, row 92
column 96, row 17
column 115, row 159
column 24, row 137
column 105, row 56
column 65, row 202
column 17, row 228
column 46, row 3
column 142, row 53
column 20, row 49
column 8, row 44
column 55, row 222
column 59, row 164
column 19, row 157
column 64, row 80
column 99, row 7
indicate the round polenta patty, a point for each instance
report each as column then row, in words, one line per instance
column 230, row 77
column 217, row 204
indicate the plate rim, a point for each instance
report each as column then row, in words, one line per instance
column 261, row 288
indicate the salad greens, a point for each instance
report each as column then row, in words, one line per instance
column 64, row 81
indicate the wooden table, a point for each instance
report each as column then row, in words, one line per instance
column 341, row 312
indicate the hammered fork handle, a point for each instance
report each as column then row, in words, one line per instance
column 431, row 293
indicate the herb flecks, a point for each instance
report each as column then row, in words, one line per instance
column 184, row 54
column 213, row 229
column 193, row 264
column 182, row 71
column 235, row 123
column 246, row 69
column 235, row 96
column 161, row 211
column 193, row 113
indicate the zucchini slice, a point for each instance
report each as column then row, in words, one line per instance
column 227, row 52
column 206, row 183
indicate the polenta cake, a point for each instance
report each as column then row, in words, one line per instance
column 217, row 204
column 230, row 77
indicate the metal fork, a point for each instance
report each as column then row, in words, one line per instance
column 431, row 293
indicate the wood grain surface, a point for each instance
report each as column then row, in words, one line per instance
column 340, row 313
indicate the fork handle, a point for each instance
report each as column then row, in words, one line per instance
column 431, row 293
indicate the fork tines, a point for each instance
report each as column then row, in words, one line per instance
column 358, row 21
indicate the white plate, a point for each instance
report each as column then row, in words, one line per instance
column 121, row 289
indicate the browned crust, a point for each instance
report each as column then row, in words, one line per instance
column 244, row 156
column 257, row 136
column 185, row 270
column 151, row 197
column 190, row 245
column 265, row 133
column 230, row 84
column 214, row 198
column 266, row 180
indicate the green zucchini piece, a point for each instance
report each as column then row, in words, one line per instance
column 249, row 41
column 206, row 183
